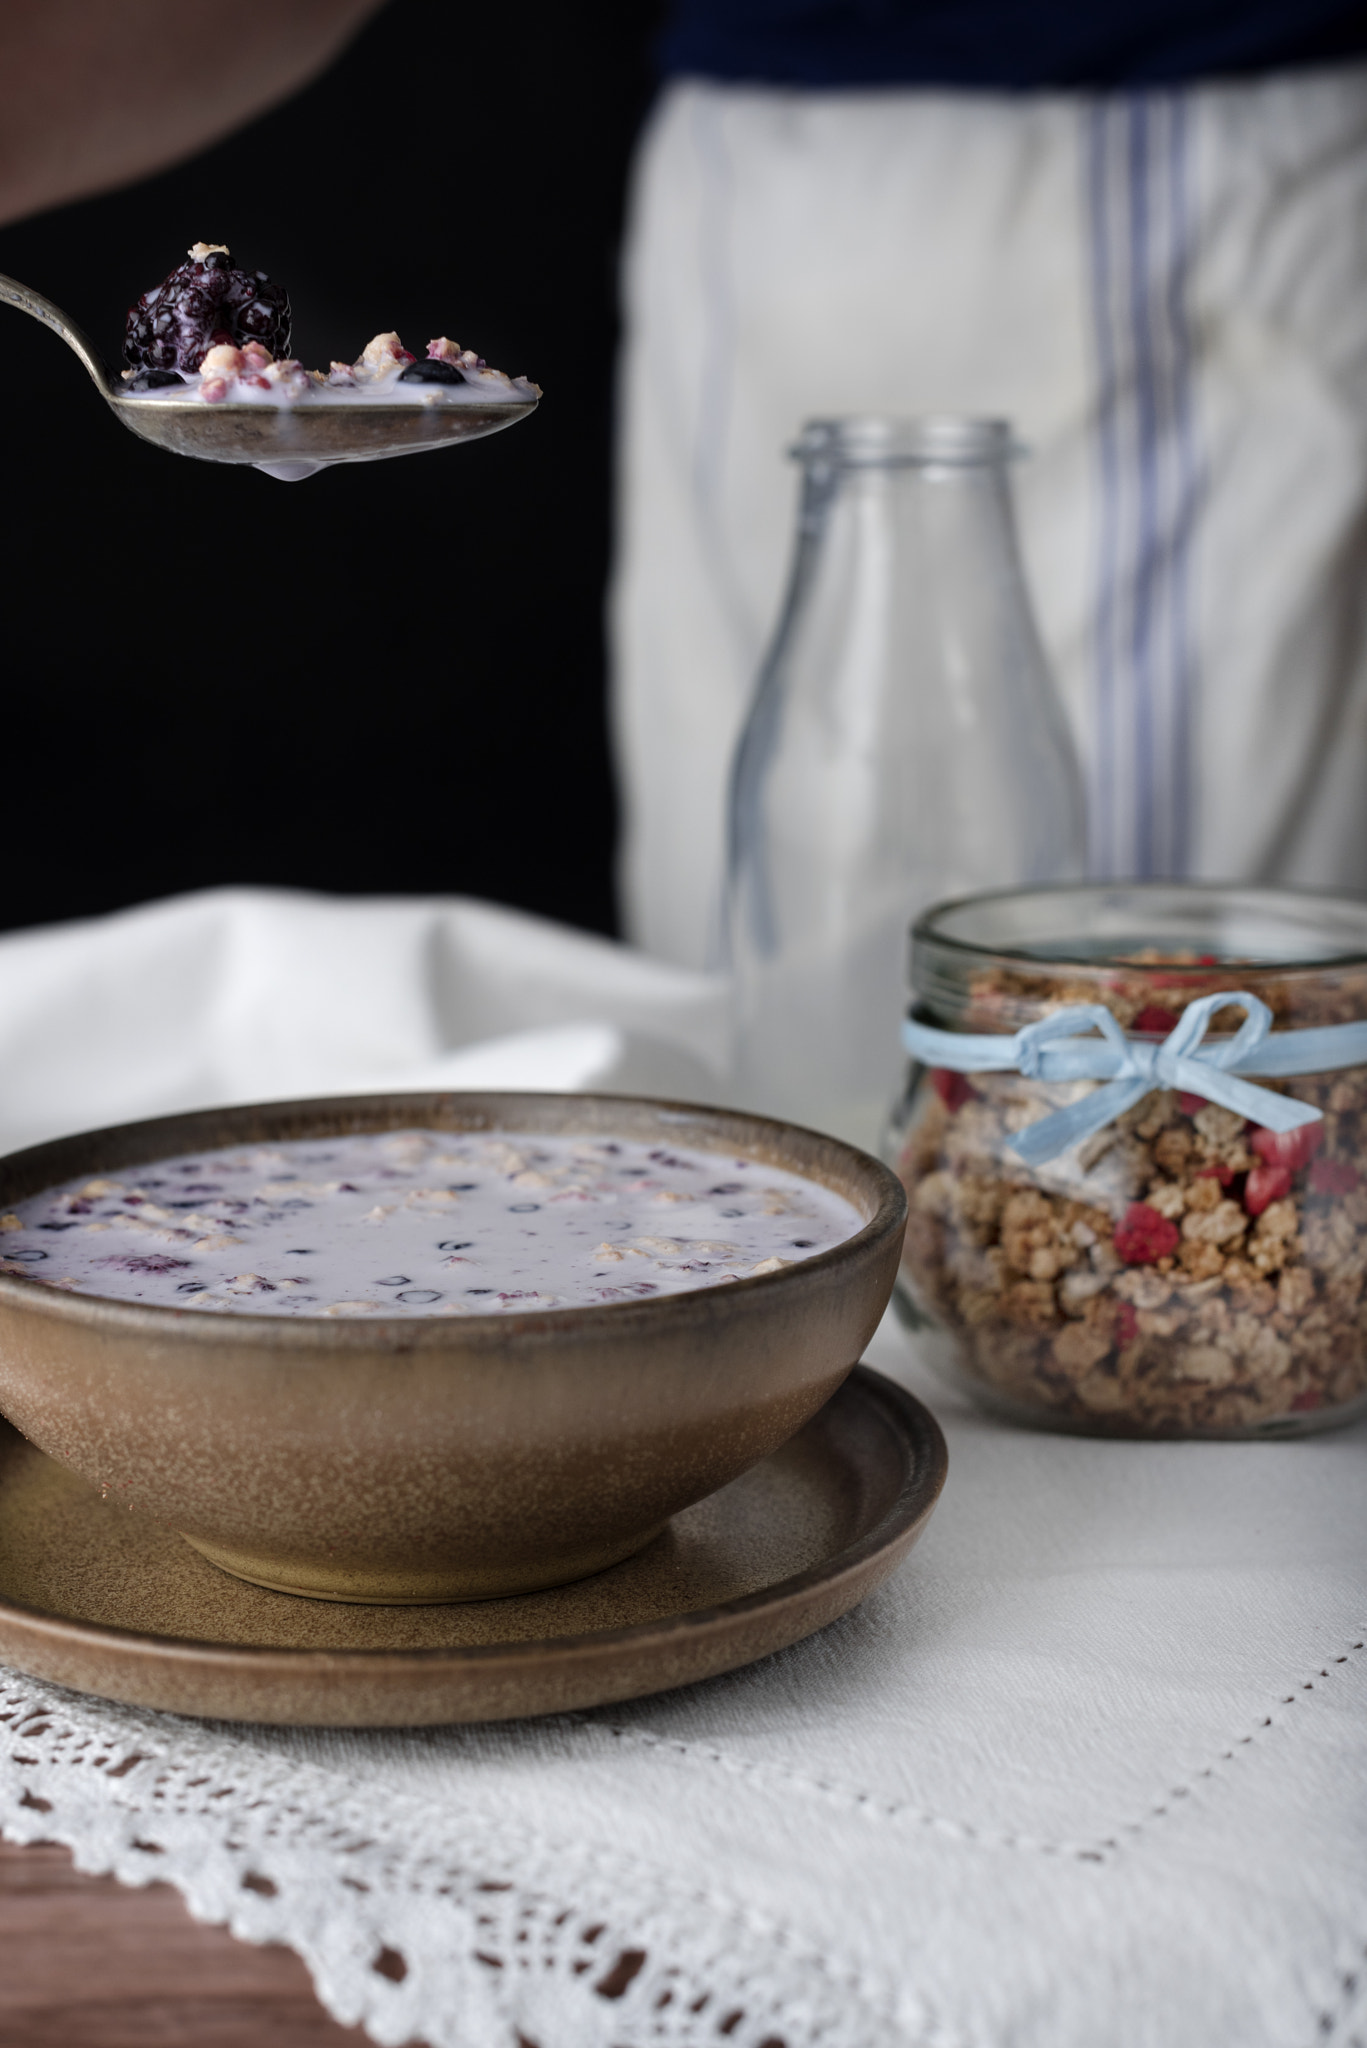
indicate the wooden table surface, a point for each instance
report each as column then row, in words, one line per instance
column 86, row 1962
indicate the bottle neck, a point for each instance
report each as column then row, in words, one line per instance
column 937, row 440
column 907, row 513
column 874, row 459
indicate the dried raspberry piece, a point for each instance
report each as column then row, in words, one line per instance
column 1334, row 1177
column 1154, row 1018
column 1291, row 1149
column 1311, row 1398
column 1144, row 1235
column 1224, row 1174
column 1126, row 1324
column 1266, row 1184
column 1190, row 1104
column 953, row 1089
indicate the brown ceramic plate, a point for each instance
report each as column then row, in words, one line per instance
column 96, row 1598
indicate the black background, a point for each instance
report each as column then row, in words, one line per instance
column 389, row 677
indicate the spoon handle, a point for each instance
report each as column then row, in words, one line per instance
column 12, row 293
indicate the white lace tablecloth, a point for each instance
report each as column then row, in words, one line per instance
column 1091, row 1769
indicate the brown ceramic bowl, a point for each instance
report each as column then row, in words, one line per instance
column 430, row 1460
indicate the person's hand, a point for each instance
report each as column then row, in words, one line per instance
column 94, row 94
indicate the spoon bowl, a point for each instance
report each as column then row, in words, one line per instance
column 287, row 441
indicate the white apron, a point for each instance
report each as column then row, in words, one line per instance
column 1165, row 291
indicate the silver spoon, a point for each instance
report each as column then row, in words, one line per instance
column 287, row 441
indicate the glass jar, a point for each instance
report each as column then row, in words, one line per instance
column 1182, row 1270
column 906, row 742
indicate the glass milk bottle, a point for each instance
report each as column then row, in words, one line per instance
column 906, row 743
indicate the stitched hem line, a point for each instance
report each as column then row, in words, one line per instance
column 856, row 1799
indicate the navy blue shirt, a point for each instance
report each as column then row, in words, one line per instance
column 1013, row 45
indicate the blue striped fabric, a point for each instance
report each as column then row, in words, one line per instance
column 1138, row 172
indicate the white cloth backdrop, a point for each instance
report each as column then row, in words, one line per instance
column 1166, row 292
column 1091, row 1769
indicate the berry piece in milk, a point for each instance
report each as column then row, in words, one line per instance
column 421, row 1223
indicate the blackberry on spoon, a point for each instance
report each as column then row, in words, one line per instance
column 205, row 302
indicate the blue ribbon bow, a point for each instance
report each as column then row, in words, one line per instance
column 1058, row 1048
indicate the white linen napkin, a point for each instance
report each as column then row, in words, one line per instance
column 242, row 995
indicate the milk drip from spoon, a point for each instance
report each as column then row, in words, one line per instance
column 236, row 403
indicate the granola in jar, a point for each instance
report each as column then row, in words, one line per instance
column 1184, row 1269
